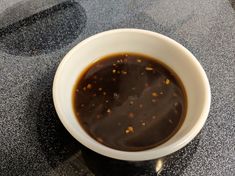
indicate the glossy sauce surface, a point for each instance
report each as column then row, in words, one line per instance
column 129, row 102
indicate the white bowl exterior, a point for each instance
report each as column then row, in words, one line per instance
column 138, row 41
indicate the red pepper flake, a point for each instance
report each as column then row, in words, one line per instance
column 131, row 114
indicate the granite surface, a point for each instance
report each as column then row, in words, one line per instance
column 32, row 139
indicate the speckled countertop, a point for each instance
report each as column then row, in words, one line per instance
column 32, row 139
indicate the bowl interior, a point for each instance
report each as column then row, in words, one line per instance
column 137, row 41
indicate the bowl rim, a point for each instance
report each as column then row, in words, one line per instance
column 135, row 155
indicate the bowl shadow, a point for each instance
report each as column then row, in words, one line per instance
column 172, row 165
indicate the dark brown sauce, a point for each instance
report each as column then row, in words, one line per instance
column 129, row 102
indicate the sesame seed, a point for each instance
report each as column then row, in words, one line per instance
column 100, row 89
column 139, row 60
column 131, row 102
column 148, row 68
column 143, row 123
column 108, row 110
column 176, row 104
column 104, row 93
column 114, row 71
column 170, row 121
column 124, row 72
column 154, row 100
column 167, row 81
column 141, row 105
column 161, row 93
column 153, row 117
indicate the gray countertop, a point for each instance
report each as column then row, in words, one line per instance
column 32, row 139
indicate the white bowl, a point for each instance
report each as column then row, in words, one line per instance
column 149, row 43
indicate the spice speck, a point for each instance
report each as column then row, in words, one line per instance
column 148, row 68
column 167, row 81
column 124, row 72
column 89, row 86
column 129, row 129
column 131, row 114
column 154, row 94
